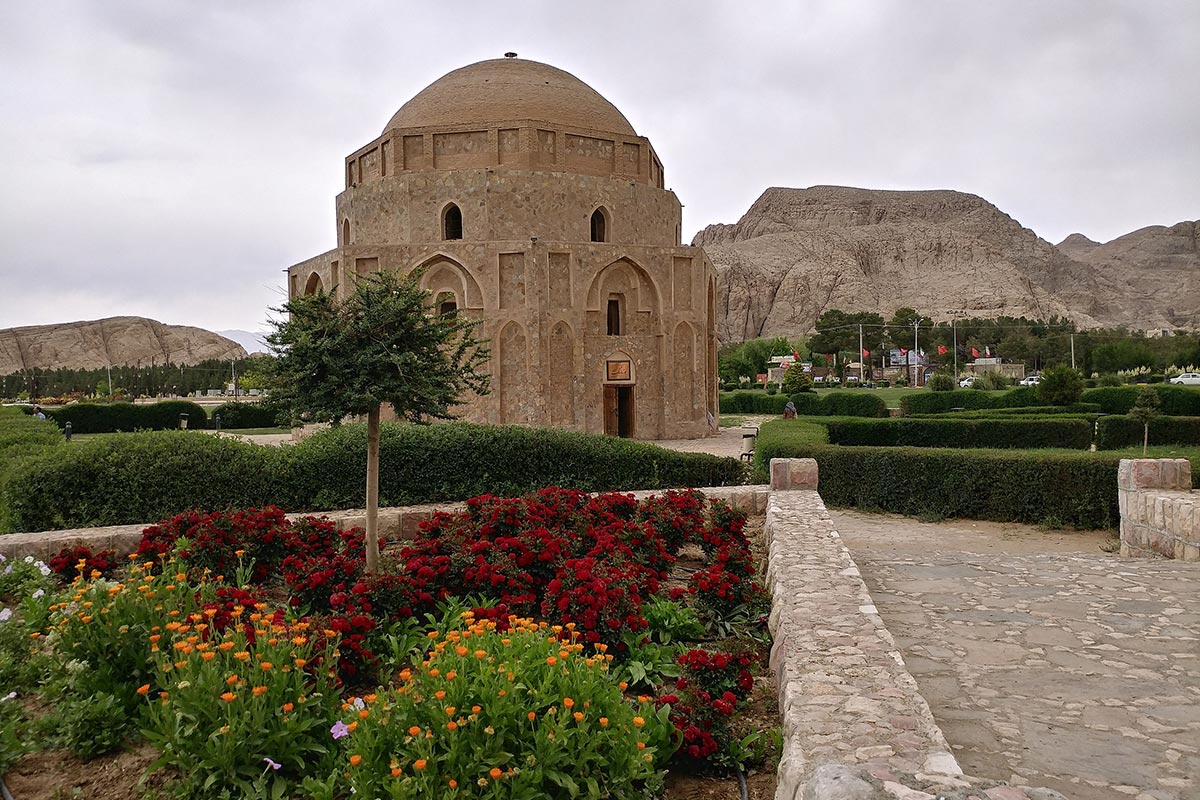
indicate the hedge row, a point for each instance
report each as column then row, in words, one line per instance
column 1116, row 432
column 967, row 399
column 808, row 404
column 144, row 476
column 1074, row 434
column 1078, row 489
column 22, row 437
column 1179, row 401
column 1075, row 409
column 111, row 417
column 247, row 415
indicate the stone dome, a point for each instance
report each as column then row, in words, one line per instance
column 510, row 89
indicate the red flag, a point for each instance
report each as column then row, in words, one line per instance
column 796, row 354
column 974, row 353
column 903, row 352
column 866, row 353
column 942, row 349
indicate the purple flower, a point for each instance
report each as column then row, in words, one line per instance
column 339, row 730
column 272, row 764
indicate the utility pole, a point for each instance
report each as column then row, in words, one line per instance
column 916, row 325
column 1072, row 351
column 954, row 333
column 860, row 353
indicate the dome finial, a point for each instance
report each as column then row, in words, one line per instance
column 510, row 54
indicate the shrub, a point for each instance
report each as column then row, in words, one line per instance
column 941, row 402
column 1061, row 386
column 796, row 380
column 247, row 415
column 80, row 559
column 1117, row 432
column 1075, row 409
column 111, row 417
column 1078, row 488
column 135, row 477
column 992, row 381
column 746, row 402
column 940, row 382
column 853, row 404
column 519, row 713
column 1109, row 379
column 957, row 432
column 1178, row 401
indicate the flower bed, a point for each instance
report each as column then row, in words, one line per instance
column 558, row 645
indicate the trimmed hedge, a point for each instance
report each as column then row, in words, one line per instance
column 1074, row 434
column 1116, row 432
column 150, row 475
column 246, row 415
column 942, row 402
column 1177, row 401
column 810, row 404
column 21, row 437
column 1078, row 489
column 112, row 417
column 1075, row 409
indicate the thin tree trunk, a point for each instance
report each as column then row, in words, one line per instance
column 372, row 543
column 1145, row 437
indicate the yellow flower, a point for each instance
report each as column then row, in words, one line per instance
column 638, row 722
column 242, row 655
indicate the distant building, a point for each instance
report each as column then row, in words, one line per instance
column 532, row 204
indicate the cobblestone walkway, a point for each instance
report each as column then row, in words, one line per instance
column 1045, row 661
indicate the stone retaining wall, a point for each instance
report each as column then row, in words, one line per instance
column 1160, row 514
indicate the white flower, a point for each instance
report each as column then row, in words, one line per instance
column 39, row 593
column 3, row 558
column 9, row 696
column 8, row 570
column 5, row 614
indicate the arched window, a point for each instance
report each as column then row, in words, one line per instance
column 345, row 232
column 452, row 223
column 599, row 225
column 446, row 304
column 614, row 315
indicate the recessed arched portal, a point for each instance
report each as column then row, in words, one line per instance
column 314, row 285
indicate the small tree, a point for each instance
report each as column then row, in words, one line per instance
column 1060, row 386
column 796, row 380
column 1145, row 409
column 940, row 382
column 383, row 344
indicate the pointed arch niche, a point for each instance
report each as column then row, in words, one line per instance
column 443, row 275
column 314, row 284
column 512, row 375
column 561, row 394
column 635, row 294
column 683, row 359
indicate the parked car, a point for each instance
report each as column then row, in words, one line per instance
column 1032, row 380
column 1187, row 379
column 966, row 382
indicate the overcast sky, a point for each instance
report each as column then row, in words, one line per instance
column 169, row 159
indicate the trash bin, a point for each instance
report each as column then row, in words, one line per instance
column 183, row 422
column 217, row 421
column 67, row 430
column 749, row 436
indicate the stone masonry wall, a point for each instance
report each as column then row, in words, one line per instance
column 1160, row 514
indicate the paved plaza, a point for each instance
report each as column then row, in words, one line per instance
column 1045, row 660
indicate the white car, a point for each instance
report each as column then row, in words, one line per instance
column 1032, row 380
column 967, row 381
column 1187, row 379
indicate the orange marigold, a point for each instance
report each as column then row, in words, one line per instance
column 143, row 689
column 355, row 760
column 229, row 697
column 419, row 764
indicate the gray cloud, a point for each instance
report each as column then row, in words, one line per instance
column 169, row 159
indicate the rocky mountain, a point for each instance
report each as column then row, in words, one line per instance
column 109, row 342
column 800, row 252
column 1157, row 267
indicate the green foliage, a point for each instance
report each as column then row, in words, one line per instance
column 546, row 724
column 992, row 381
column 750, row 358
column 380, row 345
column 110, row 417
column 1060, row 386
column 1180, row 401
column 796, row 380
column 265, row 414
column 838, row 331
column 130, row 478
column 940, row 382
column 1126, row 354
column 1117, row 432
column 744, row 402
column 964, row 433
column 941, row 402
column 853, row 404
column 1075, row 409
column 671, row 621
column 1080, row 489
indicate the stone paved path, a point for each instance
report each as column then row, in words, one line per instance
column 1045, row 661
column 728, row 442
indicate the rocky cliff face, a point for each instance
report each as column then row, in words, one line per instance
column 800, row 252
column 1157, row 269
column 109, row 342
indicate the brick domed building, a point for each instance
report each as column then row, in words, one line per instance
column 530, row 203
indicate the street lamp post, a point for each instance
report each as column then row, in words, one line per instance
column 916, row 325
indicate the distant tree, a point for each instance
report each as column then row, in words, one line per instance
column 1060, row 386
column 383, row 344
column 1144, row 410
column 940, row 382
column 796, row 380
column 1125, row 354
